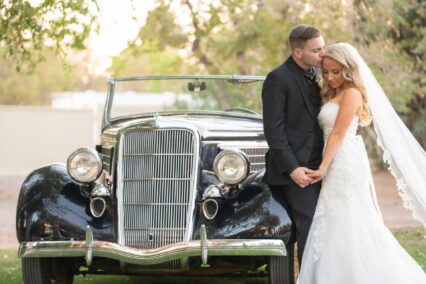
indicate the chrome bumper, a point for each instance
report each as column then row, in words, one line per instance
column 203, row 248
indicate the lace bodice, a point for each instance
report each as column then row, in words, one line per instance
column 327, row 118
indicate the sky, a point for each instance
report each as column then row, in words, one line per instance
column 117, row 27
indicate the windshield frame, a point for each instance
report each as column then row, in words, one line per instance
column 107, row 120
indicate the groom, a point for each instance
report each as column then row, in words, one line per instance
column 291, row 102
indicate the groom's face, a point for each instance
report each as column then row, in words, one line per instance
column 313, row 52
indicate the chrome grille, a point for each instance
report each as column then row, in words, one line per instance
column 256, row 157
column 156, row 173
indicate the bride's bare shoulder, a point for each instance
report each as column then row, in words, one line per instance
column 352, row 91
column 352, row 95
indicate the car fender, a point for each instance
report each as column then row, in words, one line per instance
column 252, row 213
column 52, row 206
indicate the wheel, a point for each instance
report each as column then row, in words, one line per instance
column 46, row 271
column 281, row 268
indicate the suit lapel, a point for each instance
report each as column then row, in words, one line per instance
column 298, row 76
column 304, row 93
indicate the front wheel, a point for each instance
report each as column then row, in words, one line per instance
column 281, row 268
column 46, row 271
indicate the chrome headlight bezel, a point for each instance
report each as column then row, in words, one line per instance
column 227, row 154
column 96, row 160
column 212, row 191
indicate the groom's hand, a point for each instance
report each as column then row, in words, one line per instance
column 299, row 175
column 317, row 175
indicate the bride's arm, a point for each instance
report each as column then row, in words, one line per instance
column 348, row 107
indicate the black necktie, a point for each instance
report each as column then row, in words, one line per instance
column 310, row 74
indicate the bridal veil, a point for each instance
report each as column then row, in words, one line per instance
column 404, row 155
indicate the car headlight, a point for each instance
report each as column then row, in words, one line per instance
column 231, row 166
column 84, row 165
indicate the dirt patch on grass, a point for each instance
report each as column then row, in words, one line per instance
column 393, row 212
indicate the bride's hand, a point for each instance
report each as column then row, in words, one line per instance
column 317, row 175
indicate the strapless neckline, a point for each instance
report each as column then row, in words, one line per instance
column 338, row 106
column 327, row 117
column 330, row 103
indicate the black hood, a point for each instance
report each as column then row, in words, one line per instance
column 211, row 126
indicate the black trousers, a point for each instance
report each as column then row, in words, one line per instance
column 300, row 204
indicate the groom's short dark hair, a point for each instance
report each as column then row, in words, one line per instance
column 300, row 34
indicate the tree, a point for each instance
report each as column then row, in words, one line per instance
column 27, row 30
column 232, row 36
column 250, row 37
column 19, row 88
column 392, row 37
column 409, row 31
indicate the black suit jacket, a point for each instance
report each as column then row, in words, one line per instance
column 290, row 108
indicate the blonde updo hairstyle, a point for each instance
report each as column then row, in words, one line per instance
column 341, row 54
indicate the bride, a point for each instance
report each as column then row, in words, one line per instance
column 348, row 241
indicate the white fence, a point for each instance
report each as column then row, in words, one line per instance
column 31, row 136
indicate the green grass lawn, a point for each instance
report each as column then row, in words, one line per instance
column 413, row 240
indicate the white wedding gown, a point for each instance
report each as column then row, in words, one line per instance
column 348, row 241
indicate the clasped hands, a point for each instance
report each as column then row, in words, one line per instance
column 303, row 176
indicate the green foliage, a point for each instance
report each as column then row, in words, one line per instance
column 250, row 37
column 227, row 37
column 409, row 26
column 133, row 62
column 408, row 31
column 18, row 88
column 27, row 30
column 392, row 37
column 161, row 30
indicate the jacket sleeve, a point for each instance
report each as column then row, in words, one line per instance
column 274, row 95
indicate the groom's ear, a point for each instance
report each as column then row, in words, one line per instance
column 297, row 52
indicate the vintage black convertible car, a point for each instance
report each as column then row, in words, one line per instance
column 167, row 193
